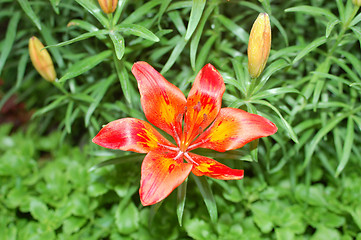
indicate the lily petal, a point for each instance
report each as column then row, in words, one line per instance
column 211, row 168
column 131, row 134
column 161, row 174
column 204, row 101
column 232, row 129
column 162, row 102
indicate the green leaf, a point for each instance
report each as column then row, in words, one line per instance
column 242, row 76
column 68, row 114
column 330, row 26
column 234, row 28
column 321, row 133
column 181, row 200
column 85, row 65
column 325, row 233
column 350, row 134
column 311, row 10
column 197, row 35
column 118, row 42
column 178, row 22
column 123, row 79
column 94, row 9
column 270, row 70
column 73, row 224
column 196, row 14
column 83, row 25
column 310, row 47
column 98, row 95
column 59, row 101
column 127, row 218
column 341, row 10
column 275, row 92
column 356, row 20
column 354, row 60
column 208, row 197
column 7, row 45
column 203, row 54
column 118, row 11
column 142, row 11
column 21, row 69
column 99, row 34
column 39, row 210
column 119, row 160
column 136, row 30
column 285, row 123
column 25, row 5
column 174, row 55
column 54, row 4
column 357, row 32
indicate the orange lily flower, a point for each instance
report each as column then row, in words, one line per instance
column 195, row 122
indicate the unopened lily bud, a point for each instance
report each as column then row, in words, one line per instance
column 41, row 59
column 108, row 6
column 357, row 2
column 259, row 45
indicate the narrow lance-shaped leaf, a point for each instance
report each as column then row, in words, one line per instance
column 270, row 70
column 98, row 96
column 310, row 47
column 242, row 77
column 123, row 79
column 203, row 54
column 181, row 200
column 350, row 134
column 234, row 28
column 83, row 25
column 118, row 42
column 118, row 11
column 142, row 11
column 69, row 111
column 286, row 124
column 54, row 4
column 9, row 39
column 321, row 133
column 311, row 10
column 99, row 33
column 177, row 20
column 55, row 104
column 275, row 92
column 330, row 26
column 85, row 65
column 196, row 14
column 174, row 55
column 207, row 195
column 137, row 30
column 197, row 35
column 94, row 9
column 25, row 5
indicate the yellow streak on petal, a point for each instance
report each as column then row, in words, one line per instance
column 222, row 131
column 150, row 139
column 167, row 112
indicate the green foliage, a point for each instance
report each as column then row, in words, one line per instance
column 299, row 183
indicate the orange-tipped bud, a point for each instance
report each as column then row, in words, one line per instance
column 108, row 6
column 357, row 2
column 41, row 59
column 259, row 45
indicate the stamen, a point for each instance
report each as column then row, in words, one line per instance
column 186, row 155
column 179, row 155
column 177, row 139
column 194, row 146
column 169, row 147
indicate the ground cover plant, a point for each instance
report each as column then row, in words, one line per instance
column 300, row 183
